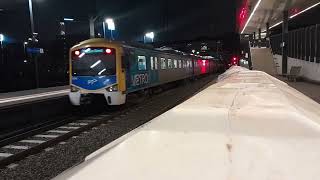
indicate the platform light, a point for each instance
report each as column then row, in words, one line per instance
column 110, row 24
column 307, row 9
column 291, row 17
column 251, row 15
column 149, row 35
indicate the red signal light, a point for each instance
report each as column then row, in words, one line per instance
column 108, row 51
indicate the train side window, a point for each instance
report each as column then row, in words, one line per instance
column 180, row 64
column 175, row 64
column 163, row 63
column 169, row 64
column 156, row 63
column 142, row 63
column 151, row 63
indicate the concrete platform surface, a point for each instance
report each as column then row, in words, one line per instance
column 14, row 98
column 248, row 126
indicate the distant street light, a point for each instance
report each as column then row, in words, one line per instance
column 1, row 38
column 149, row 35
column 68, row 19
column 111, row 27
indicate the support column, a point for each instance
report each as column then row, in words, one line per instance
column 268, row 34
column 285, row 32
column 259, row 36
column 268, row 30
column 254, row 39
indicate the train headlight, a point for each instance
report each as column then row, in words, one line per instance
column 74, row 89
column 113, row 88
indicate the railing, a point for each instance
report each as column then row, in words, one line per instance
column 303, row 44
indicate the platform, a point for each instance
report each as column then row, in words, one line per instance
column 19, row 97
column 248, row 126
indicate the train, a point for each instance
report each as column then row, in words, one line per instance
column 115, row 69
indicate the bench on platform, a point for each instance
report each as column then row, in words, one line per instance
column 294, row 73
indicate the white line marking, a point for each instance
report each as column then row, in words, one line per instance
column 12, row 166
column 5, row 154
column 16, row 147
column 85, row 121
column 68, row 127
column 59, row 132
column 49, row 149
column 46, row 136
column 33, row 96
column 78, row 124
column 32, row 141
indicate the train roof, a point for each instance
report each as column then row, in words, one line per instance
column 248, row 126
column 102, row 41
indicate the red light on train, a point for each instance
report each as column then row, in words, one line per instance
column 108, row 51
column 77, row 53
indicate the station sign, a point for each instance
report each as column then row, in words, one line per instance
column 35, row 50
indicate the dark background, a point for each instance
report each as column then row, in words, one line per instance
column 171, row 21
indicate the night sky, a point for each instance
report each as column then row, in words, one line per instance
column 174, row 20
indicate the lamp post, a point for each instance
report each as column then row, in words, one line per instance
column 32, row 21
column 149, row 35
column 33, row 42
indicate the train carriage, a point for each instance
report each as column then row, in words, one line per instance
column 113, row 69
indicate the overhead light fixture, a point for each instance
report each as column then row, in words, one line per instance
column 295, row 15
column 307, row 9
column 251, row 15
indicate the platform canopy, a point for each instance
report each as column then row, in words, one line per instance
column 262, row 11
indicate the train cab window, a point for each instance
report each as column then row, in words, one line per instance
column 170, row 66
column 175, row 64
column 151, row 63
column 142, row 63
column 163, row 63
column 180, row 64
column 156, row 63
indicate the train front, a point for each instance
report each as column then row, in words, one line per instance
column 93, row 72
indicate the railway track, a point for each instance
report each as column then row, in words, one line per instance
column 46, row 138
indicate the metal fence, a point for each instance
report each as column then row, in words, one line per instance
column 303, row 44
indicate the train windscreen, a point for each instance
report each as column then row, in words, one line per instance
column 94, row 62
